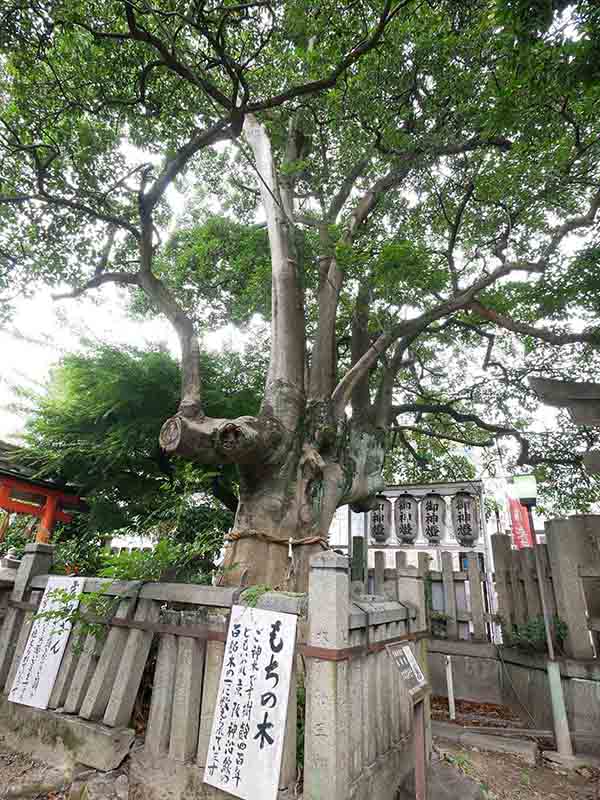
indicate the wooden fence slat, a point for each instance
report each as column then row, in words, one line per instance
column 289, row 766
column 98, row 693
column 131, row 668
column 161, row 707
column 476, row 597
column 19, row 650
column 449, row 596
column 185, row 719
column 518, row 591
column 532, row 593
column 68, row 665
column 215, row 652
column 547, row 579
column 502, row 560
column 86, row 666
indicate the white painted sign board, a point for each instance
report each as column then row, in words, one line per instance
column 408, row 666
column 246, row 742
column 40, row 662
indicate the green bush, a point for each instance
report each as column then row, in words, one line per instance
column 531, row 635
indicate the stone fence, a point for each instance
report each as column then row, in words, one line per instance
column 359, row 734
column 456, row 602
column 459, row 605
column 570, row 574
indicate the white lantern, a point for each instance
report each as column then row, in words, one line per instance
column 381, row 520
column 406, row 517
column 433, row 517
column 465, row 518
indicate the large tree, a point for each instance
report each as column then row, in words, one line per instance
column 418, row 189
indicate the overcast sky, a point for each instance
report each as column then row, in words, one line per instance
column 53, row 328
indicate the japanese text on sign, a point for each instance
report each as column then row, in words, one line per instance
column 410, row 671
column 246, row 742
column 40, row 662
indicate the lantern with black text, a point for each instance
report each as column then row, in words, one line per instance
column 465, row 518
column 406, row 516
column 433, row 516
column 381, row 520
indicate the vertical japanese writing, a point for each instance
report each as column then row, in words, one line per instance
column 40, row 662
column 249, row 721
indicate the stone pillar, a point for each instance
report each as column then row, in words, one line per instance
column 327, row 738
column 569, row 547
column 379, row 573
column 530, row 582
column 411, row 591
column 449, row 596
column 37, row 560
column 358, row 565
column 502, row 564
column 476, row 597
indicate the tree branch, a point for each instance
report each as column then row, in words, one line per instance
column 130, row 278
column 218, row 132
column 588, row 337
column 284, row 392
column 318, row 86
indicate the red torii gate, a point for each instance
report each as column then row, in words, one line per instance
column 49, row 502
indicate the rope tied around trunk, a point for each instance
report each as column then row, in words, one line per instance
column 264, row 536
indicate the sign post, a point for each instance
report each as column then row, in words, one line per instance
column 247, row 738
column 416, row 683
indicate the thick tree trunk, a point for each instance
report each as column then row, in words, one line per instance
column 296, row 500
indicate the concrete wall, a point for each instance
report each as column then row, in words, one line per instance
column 477, row 671
column 480, row 675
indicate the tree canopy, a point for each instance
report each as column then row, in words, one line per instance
column 408, row 192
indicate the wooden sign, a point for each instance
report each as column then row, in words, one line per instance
column 407, row 664
column 246, row 742
column 40, row 662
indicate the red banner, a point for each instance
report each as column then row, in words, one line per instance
column 521, row 530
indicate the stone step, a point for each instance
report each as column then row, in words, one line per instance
column 522, row 748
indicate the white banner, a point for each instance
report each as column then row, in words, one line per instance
column 45, row 647
column 246, row 742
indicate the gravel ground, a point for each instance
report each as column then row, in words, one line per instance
column 17, row 770
column 504, row 777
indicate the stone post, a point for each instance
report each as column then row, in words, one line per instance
column 569, row 547
column 449, row 596
column 476, row 597
column 411, row 591
column 37, row 560
column 327, row 738
column 379, row 573
column 502, row 565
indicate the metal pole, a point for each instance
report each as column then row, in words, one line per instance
column 420, row 751
column 366, row 549
column 559, row 711
column 450, row 684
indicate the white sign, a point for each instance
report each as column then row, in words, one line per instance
column 246, row 742
column 45, row 646
column 408, row 665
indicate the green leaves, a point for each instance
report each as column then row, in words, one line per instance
column 97, row 429
column 404, row 267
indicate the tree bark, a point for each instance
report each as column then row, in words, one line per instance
column 296, row 499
